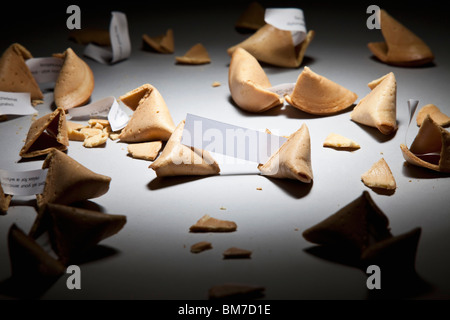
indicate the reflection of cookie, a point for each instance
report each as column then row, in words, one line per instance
column 46, row 133
column 356, row 226
column 318, row 95
column 235, row 291
column 210, row 224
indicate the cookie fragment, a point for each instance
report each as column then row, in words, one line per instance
column 201, row 246
column 162, row 43
column 379, row 176
column 338, row 141
column 435, row 113
column 145, row 150
column 236, row 253
column 195, row 55
column 315, row 94
column 210, row 224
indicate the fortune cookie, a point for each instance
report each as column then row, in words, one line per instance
column 75, row 82
column 430, row 148
column 15, row 76
column 91, row 35
column 46, row 133
column 318, row 95
column 177, row 159
column 436, row 115
column 195, row 55
column 274, row 46
column 5, row 200
column 252, row 18
column 292, row 160
column 73, row 230
column 248, row 83
column 151, row 119
column 401, row 47
column 68, row 181
column 162, row 44
column 379, row 176
column 379, row 108
column 353, row 228
column 28, row 259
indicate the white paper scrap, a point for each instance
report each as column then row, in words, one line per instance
column 120, row 42
column 23, row 183
column 103, row 108
column 229, row 140
column 45, row 69
column 16, row 103
column 282, row 89
column 289, row 19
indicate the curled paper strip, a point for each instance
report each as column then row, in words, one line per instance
column 412, row 106
column 104, row 108
column 289, row 19
column 45, row 69
column 229, row 140
column 23, row 183
column 16, row 103
column 120, row 42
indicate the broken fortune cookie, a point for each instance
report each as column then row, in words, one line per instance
column 430, row 148
column 401, row 46
column 177, row 159
column 151, row 119
column 318, row 95
column 274, row 46
column 46, row 133
column 15, row 76
column 379, row 108
column 75, row 82
column 195, row 55
column 248, row 83
column 292, row 160
column 68, row 181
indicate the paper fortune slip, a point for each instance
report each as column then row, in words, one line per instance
column 120, row 42
column 289, row 19
column 230, row 140
column 23, row 183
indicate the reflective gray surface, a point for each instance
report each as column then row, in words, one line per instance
column 150, row 257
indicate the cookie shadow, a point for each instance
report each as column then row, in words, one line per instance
column 294, row 188
column 166, row 182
